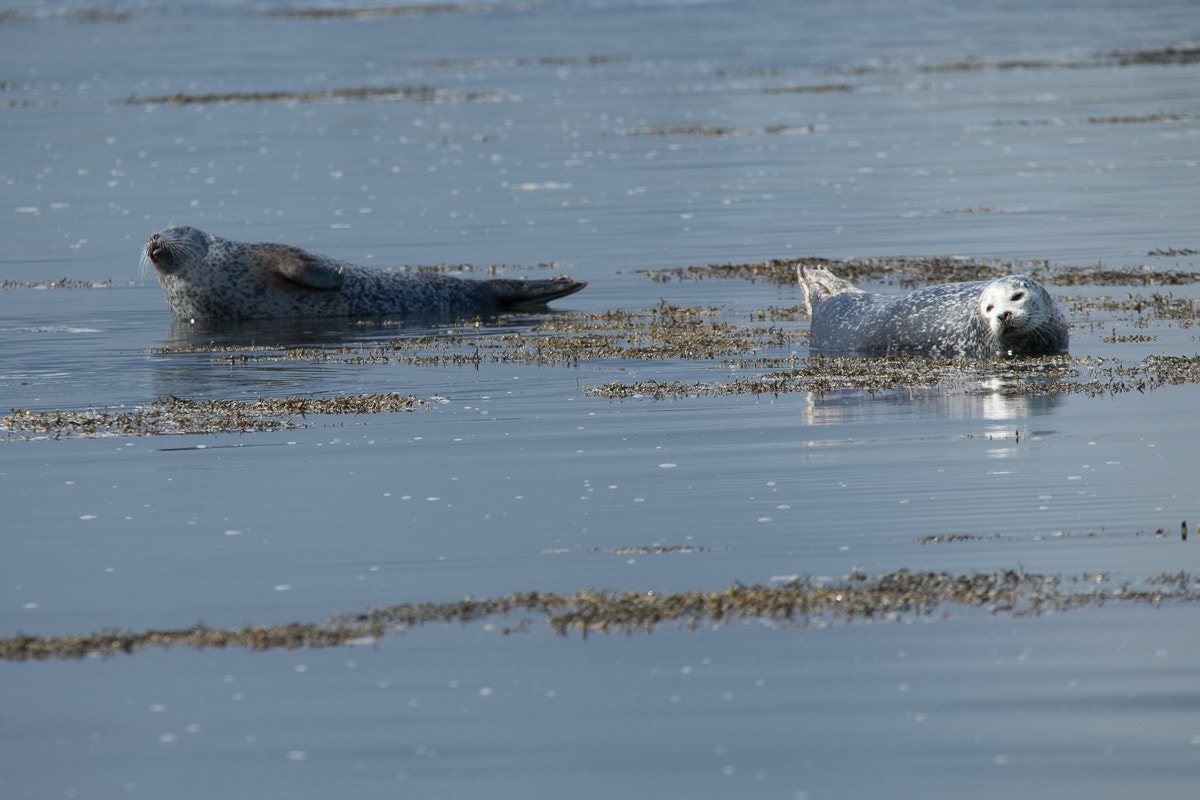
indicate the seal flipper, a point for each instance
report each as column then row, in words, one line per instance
column 819, row 284
column 510, row 293
column 300, row 267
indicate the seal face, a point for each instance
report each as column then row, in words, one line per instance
column 207, row 277
column 1010, row 316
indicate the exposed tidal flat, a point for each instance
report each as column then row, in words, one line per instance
column 640, row 543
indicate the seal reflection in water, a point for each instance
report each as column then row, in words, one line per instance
column 207, row 277
column 1010, row 316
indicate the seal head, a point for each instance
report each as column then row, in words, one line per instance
column 1022, row 317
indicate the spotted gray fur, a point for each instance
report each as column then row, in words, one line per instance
column 207, row 277
column 1010, row 316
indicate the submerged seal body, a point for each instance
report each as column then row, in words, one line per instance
column 1010, row 316
column 207, row 277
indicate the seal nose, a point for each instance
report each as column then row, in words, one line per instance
column 1006, row 317
column 154, row 247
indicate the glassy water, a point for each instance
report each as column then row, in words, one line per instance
column 610, row 138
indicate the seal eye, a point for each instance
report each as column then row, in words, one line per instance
column 1018, row 296
column 989, row 308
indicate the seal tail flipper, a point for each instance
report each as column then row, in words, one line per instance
column 510, row 293
column 819, row 284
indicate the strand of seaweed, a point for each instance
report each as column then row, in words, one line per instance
column 1049, row 375
column 177, row 416
column 804, row 602
column 913, row 271
column 420, row 94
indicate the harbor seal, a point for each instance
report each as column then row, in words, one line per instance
column 207, row 277
column 1010, row 316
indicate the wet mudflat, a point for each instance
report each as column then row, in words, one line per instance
column 639, row 543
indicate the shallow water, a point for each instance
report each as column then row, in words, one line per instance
column 611, row 138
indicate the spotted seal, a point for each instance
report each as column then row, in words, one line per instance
column 1013, row 315
column 207, row 277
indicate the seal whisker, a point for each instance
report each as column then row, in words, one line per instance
column 144, row 266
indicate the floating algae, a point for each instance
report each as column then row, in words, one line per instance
column 177, row 416
column 410, row 10
column 798, row 603
column 720, row 131
column 664, row 332
column 912, row 271
column 420, row 94
column 1170, row 55
column 1094, row 377
column 61, row 283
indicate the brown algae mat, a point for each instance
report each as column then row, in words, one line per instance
column 912, row 271
column 1170, row 55
column 798, row 603
column 61, row 283
column 419, row 94
column 178, row 416
column 406, row 10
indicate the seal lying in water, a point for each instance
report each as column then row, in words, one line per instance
column 207, row 277
column 1010, row 316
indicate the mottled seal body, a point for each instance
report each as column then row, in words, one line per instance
column 1010, row 316
column 207, row 277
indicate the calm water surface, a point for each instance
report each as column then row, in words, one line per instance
column 611, row 138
